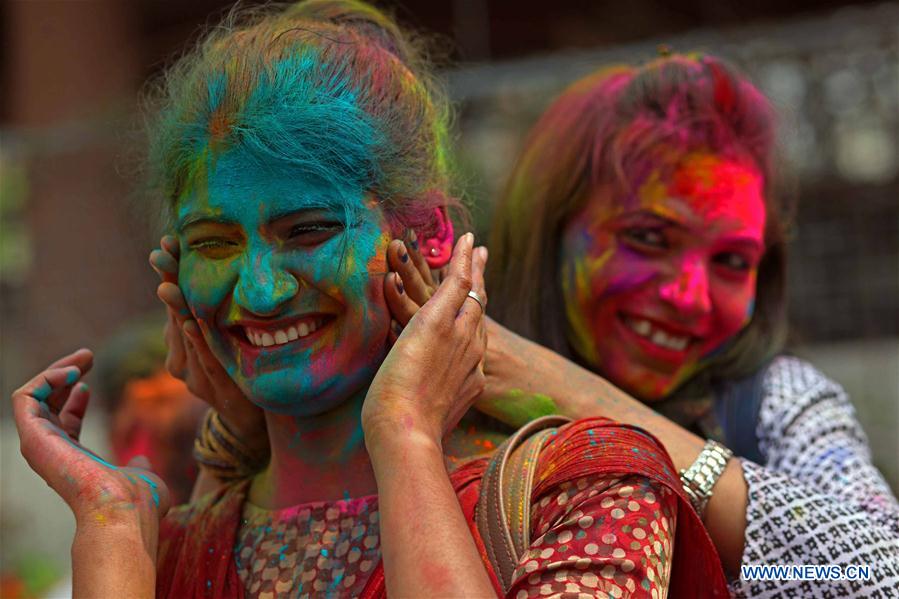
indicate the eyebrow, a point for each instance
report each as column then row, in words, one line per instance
column 328, row 210
column 755, row 243
column 644, row 213
column 668, row 221
column 198, row 218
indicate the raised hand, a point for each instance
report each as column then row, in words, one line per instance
column 117, row 508
column 435, row 368
column 48, row 411
column 191, row 360
column 427, row 382
column 514, row 392
column 409, row 285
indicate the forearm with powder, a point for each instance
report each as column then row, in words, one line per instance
column 427, row 548
column 545, row 382
column 114, row 552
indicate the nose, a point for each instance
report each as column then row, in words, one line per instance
column 688, row 290
column 264, row 286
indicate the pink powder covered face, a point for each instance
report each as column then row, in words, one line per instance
column 656, row 282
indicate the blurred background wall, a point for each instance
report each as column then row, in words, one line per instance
column 75, row 232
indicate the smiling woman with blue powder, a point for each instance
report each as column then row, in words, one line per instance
column 292, row 146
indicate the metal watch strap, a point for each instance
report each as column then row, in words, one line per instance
column 699, row 479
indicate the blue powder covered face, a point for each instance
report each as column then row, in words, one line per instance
column 284, row 273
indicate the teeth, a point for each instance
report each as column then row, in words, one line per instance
column 282, row 336
column 660, row 338
column 678, row 343
column 642, row 327
column 645, row 329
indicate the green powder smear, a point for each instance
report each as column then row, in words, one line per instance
column 517, row 407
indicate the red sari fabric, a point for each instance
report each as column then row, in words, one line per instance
column 196, row 553
column 601, row 446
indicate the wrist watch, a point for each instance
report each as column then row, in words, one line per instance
column 702, row 475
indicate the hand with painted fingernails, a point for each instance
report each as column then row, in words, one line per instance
column 410, row 282
column 190, row 359
column 507, row 395
column 49, row 411
column 435, row 369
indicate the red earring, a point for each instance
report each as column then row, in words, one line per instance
column 438, row 248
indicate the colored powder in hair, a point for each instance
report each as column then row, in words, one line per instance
column 301, row 112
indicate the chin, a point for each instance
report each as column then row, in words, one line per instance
column 646, row 384
column 648, row 392
column 298, row 392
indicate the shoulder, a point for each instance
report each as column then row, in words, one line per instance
column 214, row 511
column 802, row 407
column 196, row 541
column 176, row 519
column 600, row 534
column 182, row 516
column 793, row 377
column 793, row 388
column 599, row 446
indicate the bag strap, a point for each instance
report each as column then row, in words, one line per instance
column 503, row 514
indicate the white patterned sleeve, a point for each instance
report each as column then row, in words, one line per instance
column 818, row 499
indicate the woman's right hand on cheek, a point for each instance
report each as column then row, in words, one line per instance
column 48, row 412
column 190, row 359
column 435, row 369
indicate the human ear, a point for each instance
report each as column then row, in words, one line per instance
column 437, row 248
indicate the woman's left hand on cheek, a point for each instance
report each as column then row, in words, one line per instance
column 409, row 284
column 436, row 367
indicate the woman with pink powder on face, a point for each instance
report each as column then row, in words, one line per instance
column 640, row 242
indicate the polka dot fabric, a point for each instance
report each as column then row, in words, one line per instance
column 594, row 537
column 599, row 537
column 321, row 549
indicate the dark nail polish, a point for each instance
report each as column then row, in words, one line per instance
column 399, row 285
column 404, row 257
column 414, row 242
